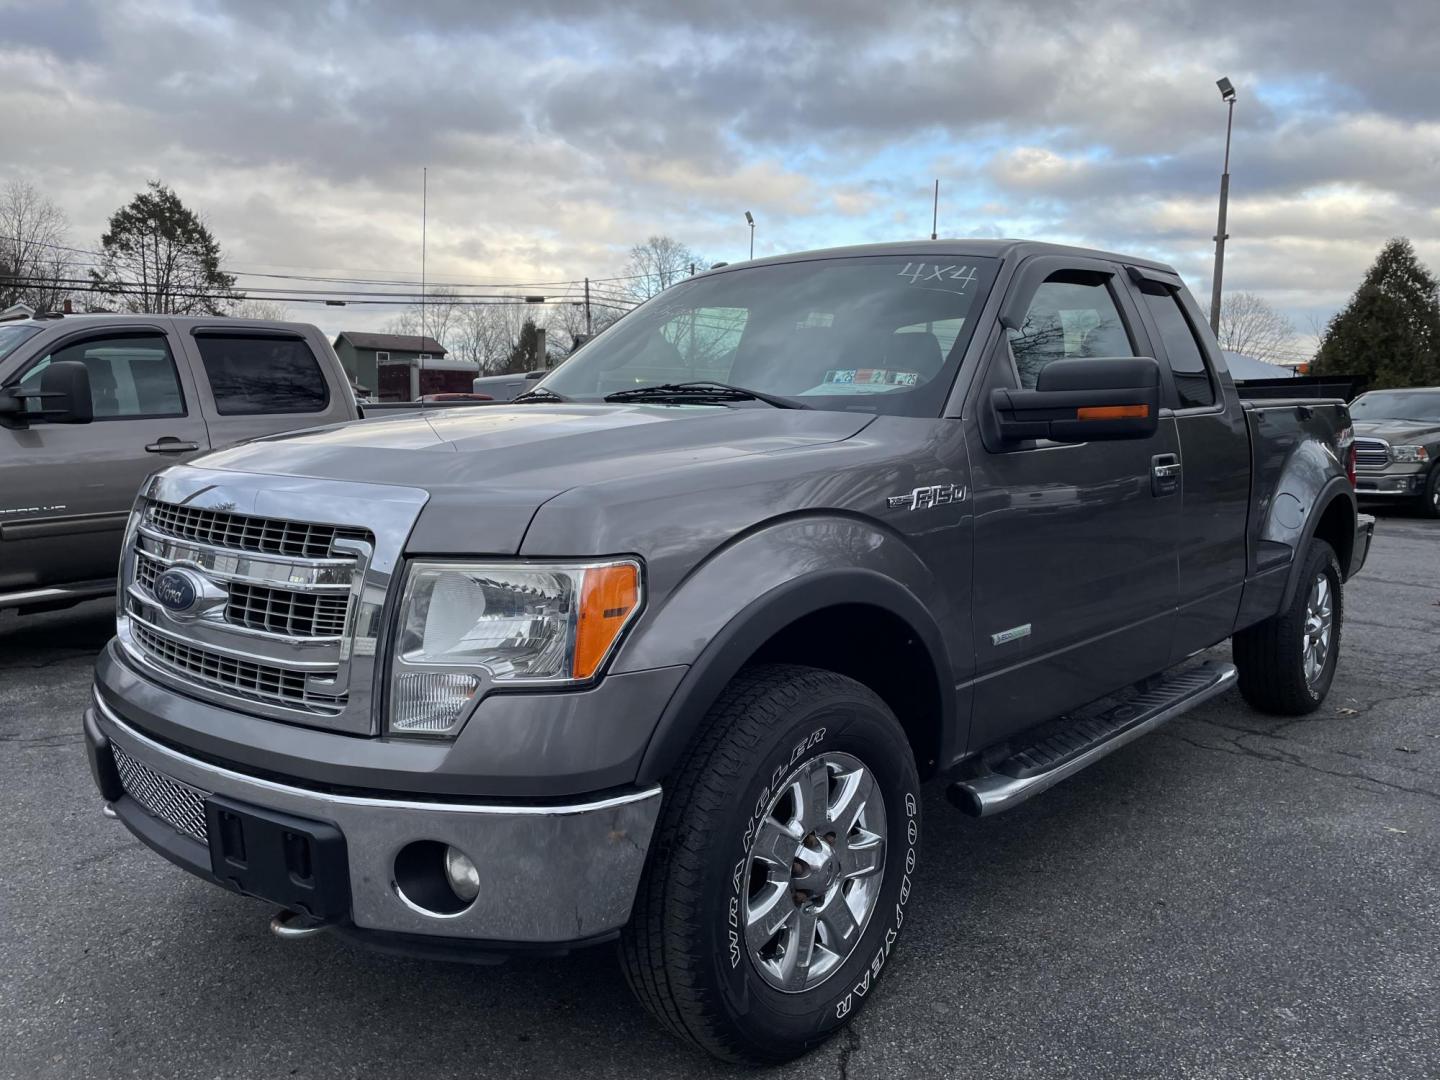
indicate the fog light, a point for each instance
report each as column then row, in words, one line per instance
column 462, row 875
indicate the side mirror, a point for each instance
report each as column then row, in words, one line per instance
column 1083, row 400
column 65, row 393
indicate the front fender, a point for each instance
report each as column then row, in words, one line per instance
column 719, row 616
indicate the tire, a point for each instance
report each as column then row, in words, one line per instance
column 1429, row 503
column 1271, row 656
column 688, row 954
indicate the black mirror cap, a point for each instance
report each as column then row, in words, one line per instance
column 65, row 393
column 1087, row 400
column 1100, row 373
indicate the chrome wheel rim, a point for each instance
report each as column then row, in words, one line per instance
column 814, row 871
column 1319, row 622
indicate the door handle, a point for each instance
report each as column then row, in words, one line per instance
column 168, row 444
column 1164, row 474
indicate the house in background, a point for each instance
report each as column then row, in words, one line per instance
column 401, row 367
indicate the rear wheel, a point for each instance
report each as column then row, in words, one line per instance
column 1287, row 663
column 780, row 868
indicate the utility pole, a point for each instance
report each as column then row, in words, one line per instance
column 1227, row 95
column 424, row 220
column 935, row 213
column 588, row 330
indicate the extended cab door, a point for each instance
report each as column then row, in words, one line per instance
column 1075, row 579
column 66, row 489
column 1214, row 460
column 262, row 381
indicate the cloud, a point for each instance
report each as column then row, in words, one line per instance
column 559, row 132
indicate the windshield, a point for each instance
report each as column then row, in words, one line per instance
column 875, row 333
column 11, row 336
column 1421, row 405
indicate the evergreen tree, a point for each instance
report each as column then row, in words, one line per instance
column 159, row 257
column 525, row 353
column 1389, row 333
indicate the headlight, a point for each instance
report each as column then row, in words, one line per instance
column 463, row 625
column 1411, row 455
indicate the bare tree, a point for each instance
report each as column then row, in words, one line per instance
column 487, row 334
column 657, row 264
column 1249, row 325
column 272, row 310
column 34, row 264
column 438, row 319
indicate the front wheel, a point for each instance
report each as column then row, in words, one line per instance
column 1287, row 663
column 1429, row 504
column 780, row 868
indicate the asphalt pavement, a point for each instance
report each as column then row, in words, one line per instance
column 1233, row 896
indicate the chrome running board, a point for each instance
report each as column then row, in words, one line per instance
column 1070, row 744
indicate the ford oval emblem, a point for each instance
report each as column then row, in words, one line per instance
column 175, row 591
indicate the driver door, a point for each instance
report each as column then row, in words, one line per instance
column 1075, row 579
column 68, row 488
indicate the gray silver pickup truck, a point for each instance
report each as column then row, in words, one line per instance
column 1397, row 447
column 90, row 405
column 662, row 652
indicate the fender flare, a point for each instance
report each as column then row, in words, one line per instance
column 1337, row 488
column 761, row 620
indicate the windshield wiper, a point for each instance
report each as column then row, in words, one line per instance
column 538, row 393
column 704, row 388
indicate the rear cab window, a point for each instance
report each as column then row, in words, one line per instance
column 260, row 374
column 1194, row 383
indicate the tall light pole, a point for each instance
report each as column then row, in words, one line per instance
column 1227, row 95
column 750, row 220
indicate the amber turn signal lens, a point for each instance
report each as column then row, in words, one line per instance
column 607, row 599
column 1113, row 412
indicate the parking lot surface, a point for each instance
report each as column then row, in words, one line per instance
column 1234, row 896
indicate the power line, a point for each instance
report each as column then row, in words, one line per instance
column 100, row 256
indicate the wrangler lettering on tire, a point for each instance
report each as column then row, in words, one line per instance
column 782, row 865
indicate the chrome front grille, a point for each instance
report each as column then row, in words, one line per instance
column 1371, row 453
column 180, row 806
column 244, row 678
column 279, row 599
column 242, row 532
column 292, row 614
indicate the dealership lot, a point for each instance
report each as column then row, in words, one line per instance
column 1237, row 896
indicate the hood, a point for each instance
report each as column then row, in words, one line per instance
column 1397, row 431
column 487, row 469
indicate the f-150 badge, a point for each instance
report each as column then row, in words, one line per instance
column 925, row 498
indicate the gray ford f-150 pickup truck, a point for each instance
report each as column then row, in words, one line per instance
column 663, row 651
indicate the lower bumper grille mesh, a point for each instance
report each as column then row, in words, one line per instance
column 180, row 806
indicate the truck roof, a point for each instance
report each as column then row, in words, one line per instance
column 49, row 318
column 987, row 248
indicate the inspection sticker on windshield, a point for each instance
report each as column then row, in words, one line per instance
column 925, row 273
column 872, row 377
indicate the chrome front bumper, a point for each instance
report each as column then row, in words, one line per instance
column 549, row 874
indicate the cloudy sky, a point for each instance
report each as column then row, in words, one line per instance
column 558, row 132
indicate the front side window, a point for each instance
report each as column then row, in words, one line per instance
column 130, row 377
column 1193, row 386
column 258, row 375
column 880, row 334
column 1072, row 316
